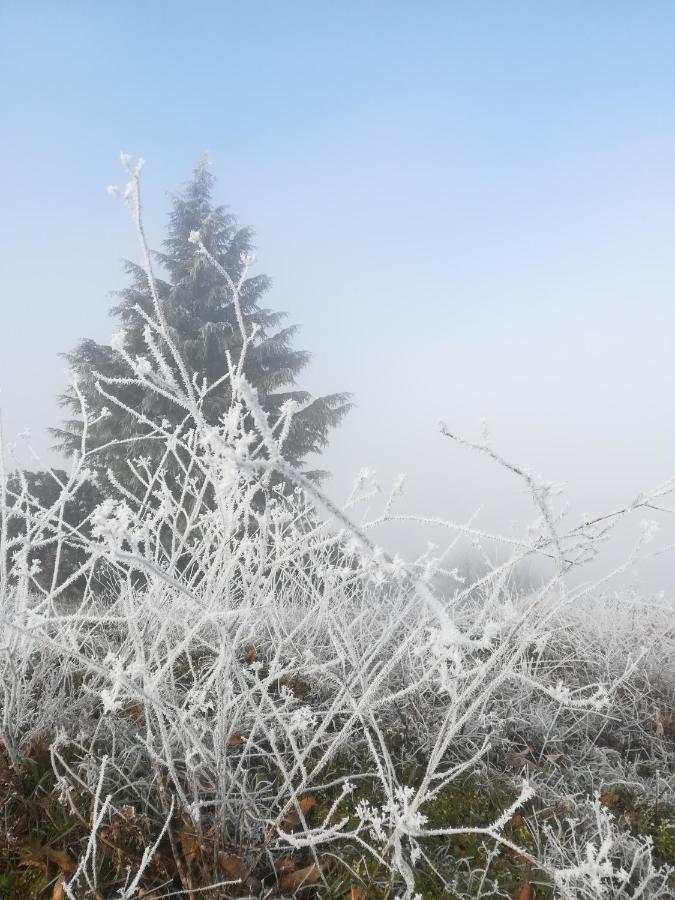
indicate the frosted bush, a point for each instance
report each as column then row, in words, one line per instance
column 591, row 857
column 241, row 644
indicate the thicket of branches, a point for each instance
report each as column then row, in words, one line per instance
column 267, row 702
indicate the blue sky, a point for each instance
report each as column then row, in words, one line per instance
column 469, row 208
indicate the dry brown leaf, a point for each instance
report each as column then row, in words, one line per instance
column 525, row 892
column 189, row 844
column 21, row 825
column 609, row 797
column 356, row 893
column 662, row 723
column 520, row 761
column 252, row 655
column 235, row 740
column 516, row 854
column 231, row 864
column 284, row 864
column 563, row 808
column 136, row 711
column 4, row 766
column 61, row 858
column 292, row 820
column 561, row 758
column 30, row 861
column 293, row 881
column 292, row 685
column 58, row 893
column 37, row 747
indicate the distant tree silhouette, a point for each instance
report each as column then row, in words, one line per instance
column 197, row 305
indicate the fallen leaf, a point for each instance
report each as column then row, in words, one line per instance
column 61, row 858
column 284, row 864
column 662, row 723
column 293, row 881
column 37, row 747
column 31, row 862
column 525, row 892
column 609, row 797
column 231, row 865
column 519, row 761
column 292, row 820
column 308, row 802
column 189, row 844
column 58, row 893
column 563, row 808
column 235, row 740
column 293, row 686
column 561, row 758
column 20, row 826
column 136, row 711
column 252, row 655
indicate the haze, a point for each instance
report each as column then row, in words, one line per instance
column 468, row 207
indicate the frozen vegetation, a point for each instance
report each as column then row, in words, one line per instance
column 238, row 693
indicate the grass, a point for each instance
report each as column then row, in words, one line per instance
column 42, row 837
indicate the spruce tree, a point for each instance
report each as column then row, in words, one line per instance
column 201, row 318
column 27, row 494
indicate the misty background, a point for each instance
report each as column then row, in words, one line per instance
column 469, row 209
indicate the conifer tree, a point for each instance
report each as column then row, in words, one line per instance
column 28, row 493
column 201, row 319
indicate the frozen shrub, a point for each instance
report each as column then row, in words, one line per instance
column 241, row 647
